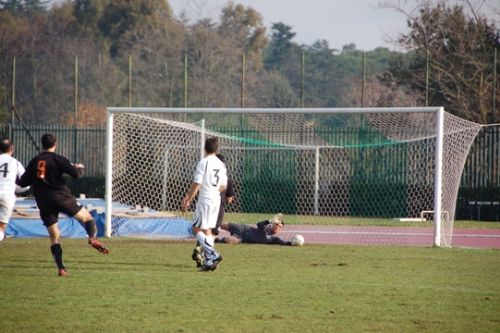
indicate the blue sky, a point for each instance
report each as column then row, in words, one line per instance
column 339, row 22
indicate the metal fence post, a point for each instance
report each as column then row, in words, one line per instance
column 13, row 100
column 75, row 124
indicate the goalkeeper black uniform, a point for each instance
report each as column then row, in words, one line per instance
column 263, row 233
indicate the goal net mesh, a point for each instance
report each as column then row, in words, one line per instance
column 320, row 169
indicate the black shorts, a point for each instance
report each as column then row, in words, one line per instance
column 220, row 217
column 52, row 204
column 238, row 230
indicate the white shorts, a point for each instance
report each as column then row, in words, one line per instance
column 205, row 216
column 7, row 202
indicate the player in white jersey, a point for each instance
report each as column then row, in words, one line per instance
column 10, row 170
column 210, row 178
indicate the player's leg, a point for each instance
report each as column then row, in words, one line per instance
column 73, row 208
column 2, row 230
column 223, row 226
column 212, row 256
column 198, row 250
column 205, row 239
column 197, row 255
column 231, row 240
column 202, row 231
column 6, row 207
column 49, row 215
column 55, row 247
column 220, row 220
column 237, row 233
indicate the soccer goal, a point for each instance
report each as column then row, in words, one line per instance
column 324, row 166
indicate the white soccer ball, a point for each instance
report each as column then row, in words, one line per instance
column 297, row 240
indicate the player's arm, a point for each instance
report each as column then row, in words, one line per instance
column 199, row 173
column 20, row 172
column 262, row 224
column 186, row 201
column 230, row 190
column 223, row 177
column 278, row 241
column 74, row 170
column 27, row 177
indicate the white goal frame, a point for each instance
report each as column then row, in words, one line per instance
column 439, row 111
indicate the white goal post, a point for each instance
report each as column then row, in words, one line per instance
column 330, row 172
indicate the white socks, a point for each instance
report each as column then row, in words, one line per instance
column 2, row 235
column 207, row 243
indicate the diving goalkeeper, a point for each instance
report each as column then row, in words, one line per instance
column 263, row 233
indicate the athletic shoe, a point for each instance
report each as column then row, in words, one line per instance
column 62, row 272
column 98, row 246
column 211, row 265
column 197, row 256
column 216, row 262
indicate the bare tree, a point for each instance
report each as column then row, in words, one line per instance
column 460, row 43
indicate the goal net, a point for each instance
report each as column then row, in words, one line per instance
column 351, row 168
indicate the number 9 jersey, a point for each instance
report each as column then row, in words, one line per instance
column 45, row 173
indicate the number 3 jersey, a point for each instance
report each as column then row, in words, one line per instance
column 10, row 170
column 45, row 173
column 211, row 174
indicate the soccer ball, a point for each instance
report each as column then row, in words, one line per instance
column 297, row 240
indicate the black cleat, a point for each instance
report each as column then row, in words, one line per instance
column 197, row 256
column 216, row 262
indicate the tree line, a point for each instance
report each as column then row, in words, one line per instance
column 108, row 48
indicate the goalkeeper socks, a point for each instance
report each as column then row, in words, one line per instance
column 90, row 228
column 57, row 253
column 207, row 243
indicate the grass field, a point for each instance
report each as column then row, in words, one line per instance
column 153, row 286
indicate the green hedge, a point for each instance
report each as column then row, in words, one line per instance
column 92, row 187
column 467, row 211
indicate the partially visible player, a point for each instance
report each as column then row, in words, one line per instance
column 10, row 170
column 226, row 198
column 45, row 174
column 265, row 232
column 210, row 178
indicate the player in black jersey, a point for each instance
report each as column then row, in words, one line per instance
column 45, row 174
column 226, row 198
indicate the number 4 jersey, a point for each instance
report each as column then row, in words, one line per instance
column 10, row 170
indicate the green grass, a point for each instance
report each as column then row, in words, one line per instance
column 153, row 286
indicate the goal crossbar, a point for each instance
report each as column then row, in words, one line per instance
column 273, row 110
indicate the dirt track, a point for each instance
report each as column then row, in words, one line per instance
column 413, row 236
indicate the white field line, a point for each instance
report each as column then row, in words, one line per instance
column 378, row 233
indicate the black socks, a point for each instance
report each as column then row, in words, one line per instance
column 57, row 252
column 90, row 228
